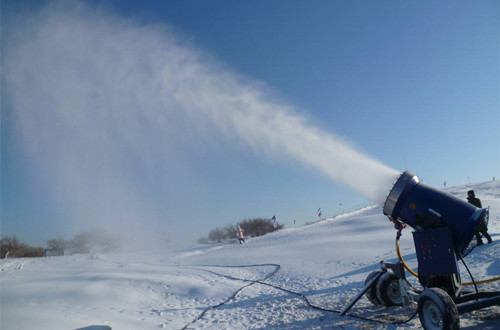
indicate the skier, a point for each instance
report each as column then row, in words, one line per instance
column 481, row 228
column 239, row 233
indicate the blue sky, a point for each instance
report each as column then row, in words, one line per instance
column 413, row 85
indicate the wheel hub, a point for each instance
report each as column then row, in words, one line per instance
column 432, row 316
column 394, row 293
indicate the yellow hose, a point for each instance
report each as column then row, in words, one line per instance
column 403, row 261
column 416, row 275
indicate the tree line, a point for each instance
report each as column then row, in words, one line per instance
column 252, row 228
column 11, row 247
column 88, row 241
column 83, row 242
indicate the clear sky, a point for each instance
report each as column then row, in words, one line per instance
column 175, row 117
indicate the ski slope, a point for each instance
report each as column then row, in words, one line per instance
column 296, row 278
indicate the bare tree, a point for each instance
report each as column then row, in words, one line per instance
column 57, row 244
column 12, row 247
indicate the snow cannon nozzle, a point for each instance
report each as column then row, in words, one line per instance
column 424, row 207
column 401, row 188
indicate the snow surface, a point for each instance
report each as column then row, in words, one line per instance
column 293, row 279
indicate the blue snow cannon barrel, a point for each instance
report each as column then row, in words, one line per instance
column 424, row 207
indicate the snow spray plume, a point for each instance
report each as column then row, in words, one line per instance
column 98, row 99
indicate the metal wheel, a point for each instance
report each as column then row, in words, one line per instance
column 388, row 290
column 371, row 294
column 437, row 310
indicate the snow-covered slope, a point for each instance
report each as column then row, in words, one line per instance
column 295, row 278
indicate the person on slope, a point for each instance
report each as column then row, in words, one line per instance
column 240, row 234
column 481, row 228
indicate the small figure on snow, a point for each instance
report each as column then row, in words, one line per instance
column 240, row 234
column 481, row 228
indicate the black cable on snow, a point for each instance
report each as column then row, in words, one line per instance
column 215, row 306
column 271, row 274
column 333, row 310
column 252, row 282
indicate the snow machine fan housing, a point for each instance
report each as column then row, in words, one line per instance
column 424, row 207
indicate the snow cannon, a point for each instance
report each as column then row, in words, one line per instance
column 424, row 207
column 443, row 228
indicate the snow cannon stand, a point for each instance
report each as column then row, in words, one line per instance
column 443, row 228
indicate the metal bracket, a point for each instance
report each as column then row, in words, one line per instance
column 362, row 292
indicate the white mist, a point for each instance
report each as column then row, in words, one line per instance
column 94, row 95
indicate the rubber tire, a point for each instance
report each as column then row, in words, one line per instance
column 388, row 290
column 436, row 310
column 371, row 294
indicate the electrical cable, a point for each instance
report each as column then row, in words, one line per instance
column 231, row 297
column 337, row 311
column 470, row 274
column 306, row 299
column 261, row 281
